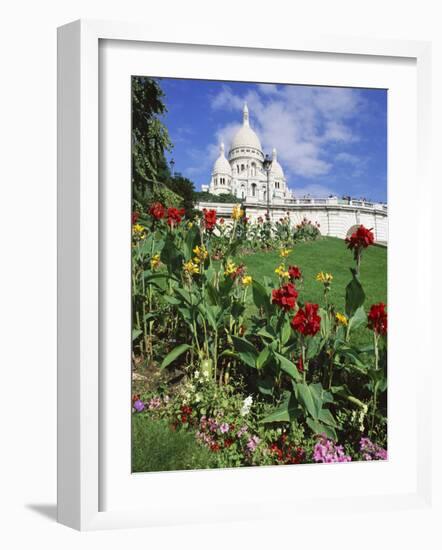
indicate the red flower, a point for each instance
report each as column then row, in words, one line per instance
column 157, row 210
column 300, row 364
column 228, row 442
column 239, row 272
column 184, row 418
column 361, row 238
column 294, row 272
column 377, row 318
column 174, row 216
column 307, row 321
column 276, row 450
column 297, row 457
column 135, row 216
column 221, row 221
column 186, row 409
column 214, row 447
column 209, row 219
column 285, row 297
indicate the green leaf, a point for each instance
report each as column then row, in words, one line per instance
column 286, row 412
column 261, row 298
column 286, row 331
column 358, row 319
column 288, row 366
column 314, row 346
column 354, row 295
column 245, row 350
column 319, row 428
column 262, row 358
column 192, row 239
column 308, row 400
column 135, row 333
column 265, row 386
column 174, row 354
column 326, row 416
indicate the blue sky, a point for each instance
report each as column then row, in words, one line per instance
column 329, row 140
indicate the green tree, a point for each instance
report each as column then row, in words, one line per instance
column 150, row 138
column 185, row 188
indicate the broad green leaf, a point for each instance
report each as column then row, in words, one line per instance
column 262, row 358
column 354, row 295
column 308, row 400
column 261, row 298
column 245, row 350
column 265, row 386
column 286, row 331
column 358, row 319
column 326, row 416
column 286, row 412
column 135, row 333
column 314, row 346
column 174, row 354
column 288, row 366
column 319, row 428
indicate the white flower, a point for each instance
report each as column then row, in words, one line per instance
column 196, row 375
column 246, row 406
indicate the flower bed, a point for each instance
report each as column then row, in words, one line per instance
column 282, row 384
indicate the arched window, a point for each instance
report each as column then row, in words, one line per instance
column 253, row 189
column 253, row 169
column 242, row 167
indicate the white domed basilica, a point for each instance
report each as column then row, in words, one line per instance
column 243, row 172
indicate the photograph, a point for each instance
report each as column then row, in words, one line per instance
column 259, row 239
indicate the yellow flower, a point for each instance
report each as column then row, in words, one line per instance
column 284, row 252
column 155, row 261
column 322, row 277
column 230, row 268
column 191, row 267
column 247, row 280
column 200, row 252
column 237, row 213
column 190, row 225
column 281, row 271
column 341, row 319
column 137, row 229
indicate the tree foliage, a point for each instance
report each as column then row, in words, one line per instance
column 151, row 177
column 150, row 138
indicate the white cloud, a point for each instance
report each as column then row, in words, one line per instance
column 300, row 121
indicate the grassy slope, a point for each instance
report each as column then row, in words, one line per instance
column 331, row 255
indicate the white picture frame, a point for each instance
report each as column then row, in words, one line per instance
column 79, row 294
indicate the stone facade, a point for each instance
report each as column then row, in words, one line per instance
column 263, row 189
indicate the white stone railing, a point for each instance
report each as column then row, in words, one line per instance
column 334, row 201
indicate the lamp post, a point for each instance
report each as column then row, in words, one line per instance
column 267, row 163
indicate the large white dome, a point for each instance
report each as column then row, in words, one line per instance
column 245, row 136
column 222, row 165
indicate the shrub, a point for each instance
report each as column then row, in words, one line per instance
column 306, row 231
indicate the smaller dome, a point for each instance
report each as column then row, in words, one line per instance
column 222, row 165
column 276, row 168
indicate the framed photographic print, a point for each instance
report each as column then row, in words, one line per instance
column 230, row 276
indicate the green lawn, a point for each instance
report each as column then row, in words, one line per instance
column 331, row 255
